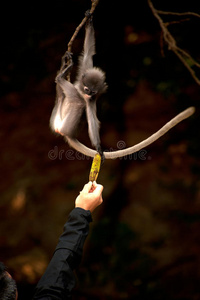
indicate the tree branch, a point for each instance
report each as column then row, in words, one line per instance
column 189, row 13
column 184, row 56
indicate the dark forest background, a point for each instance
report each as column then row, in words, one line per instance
column 144, row 241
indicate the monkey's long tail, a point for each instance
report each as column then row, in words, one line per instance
column 120, row 153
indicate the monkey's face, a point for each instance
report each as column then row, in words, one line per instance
column 93, row 83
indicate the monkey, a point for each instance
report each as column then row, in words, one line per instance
column 73, row 99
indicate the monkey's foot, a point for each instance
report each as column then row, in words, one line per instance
column 66, row 57
column 66, row 65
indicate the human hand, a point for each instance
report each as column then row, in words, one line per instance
column 90, row 197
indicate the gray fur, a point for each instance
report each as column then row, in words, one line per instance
column 73, row 99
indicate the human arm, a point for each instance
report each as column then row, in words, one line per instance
column 58, row 279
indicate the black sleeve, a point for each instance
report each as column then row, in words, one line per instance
column 58, row 279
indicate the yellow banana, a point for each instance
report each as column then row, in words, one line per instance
column 96, row 164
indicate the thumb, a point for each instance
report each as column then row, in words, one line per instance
column 87, row 187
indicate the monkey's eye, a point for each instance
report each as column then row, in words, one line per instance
column 93, row 93
column 86, row 90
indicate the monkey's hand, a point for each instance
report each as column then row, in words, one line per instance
column 89, row 17
column 100, row 151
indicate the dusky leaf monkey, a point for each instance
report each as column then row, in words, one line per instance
column 73, row 99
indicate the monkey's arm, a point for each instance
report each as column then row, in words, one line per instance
column 89, row 45
column 93, row 125
column 86, row 60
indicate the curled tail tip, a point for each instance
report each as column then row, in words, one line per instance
column 191, row 110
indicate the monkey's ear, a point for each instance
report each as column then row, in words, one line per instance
column 105, row 87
